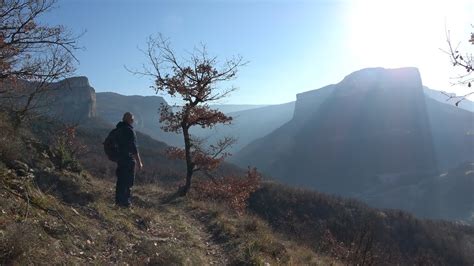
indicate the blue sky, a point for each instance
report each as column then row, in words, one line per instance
column 291, row 46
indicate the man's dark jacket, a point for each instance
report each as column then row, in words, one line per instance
column 127, row 141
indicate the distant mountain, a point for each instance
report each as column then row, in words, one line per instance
column 248, row 125
column 111, row 107
column 249, row 121
column 231, row 108
column 71, row 100
column 374, row 127
column 442, row 97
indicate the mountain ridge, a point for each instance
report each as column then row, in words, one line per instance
column 344, row 143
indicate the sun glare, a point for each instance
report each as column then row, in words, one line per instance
column 390, row 33
column 407, row 33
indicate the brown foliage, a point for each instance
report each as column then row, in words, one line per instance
column 203, row 159
column 233, row 191
column 194, row 81
column 202, row 116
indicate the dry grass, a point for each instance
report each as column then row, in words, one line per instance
column 249, row 240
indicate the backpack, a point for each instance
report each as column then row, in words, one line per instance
column 111, row 145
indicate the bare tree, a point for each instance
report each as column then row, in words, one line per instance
column 32, row 52
column 464, row 61
column 194, row 81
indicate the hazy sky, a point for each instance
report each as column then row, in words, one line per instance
column 291, row 46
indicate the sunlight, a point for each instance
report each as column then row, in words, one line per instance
column 408, row 33
column 391, row 33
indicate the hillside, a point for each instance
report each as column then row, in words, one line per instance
column 248, row 125
column 54, row 211
column 232, row 108
column 249, row 121
column 367, row 236
column 112, row 106
column 71, row 99
column 376, row 128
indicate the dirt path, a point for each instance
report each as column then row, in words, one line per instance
column 175, row 212
column 214, row 250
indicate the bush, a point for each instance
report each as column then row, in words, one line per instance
column 66, row 148
column 233, row 191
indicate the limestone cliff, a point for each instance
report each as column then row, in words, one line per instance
column 73, row 99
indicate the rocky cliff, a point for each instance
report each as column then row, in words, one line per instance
column 373, row 121
column 73, row 99
column 376, row 128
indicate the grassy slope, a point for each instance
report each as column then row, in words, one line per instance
column 52, row 216
column 40, row 224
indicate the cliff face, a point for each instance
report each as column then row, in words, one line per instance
column 309, row 102
column 73, row 99
column 348, row 137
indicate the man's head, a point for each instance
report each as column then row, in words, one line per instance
column 128, row 118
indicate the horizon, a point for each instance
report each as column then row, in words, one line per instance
column 292, row 47
column 467, row 99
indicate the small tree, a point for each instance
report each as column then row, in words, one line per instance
column 194, row 81
column 30, row 51
column 464, row 61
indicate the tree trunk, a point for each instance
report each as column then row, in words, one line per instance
column 189, row 163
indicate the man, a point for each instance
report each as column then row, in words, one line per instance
column 128, row 158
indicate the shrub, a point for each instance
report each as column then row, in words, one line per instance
column 233, row 191
column 66, row 148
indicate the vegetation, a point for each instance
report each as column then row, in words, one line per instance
column 194, row 81
column 233, row 191
column 56, row 215
column 31, row 51
column 354, row 233
column 463, row 61
column 56, row 190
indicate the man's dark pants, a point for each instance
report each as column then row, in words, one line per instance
column 125, row 176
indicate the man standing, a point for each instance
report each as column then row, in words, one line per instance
column 128, row 158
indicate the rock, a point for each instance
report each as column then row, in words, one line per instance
column 74, row 99
column 71, row 100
